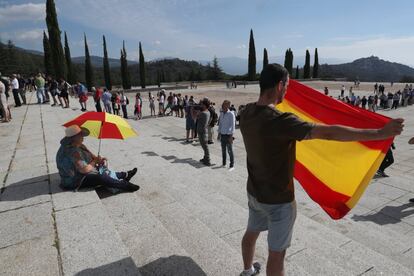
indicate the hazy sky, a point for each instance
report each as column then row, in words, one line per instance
column 200, row 29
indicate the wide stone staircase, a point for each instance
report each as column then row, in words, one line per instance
column 186, row 219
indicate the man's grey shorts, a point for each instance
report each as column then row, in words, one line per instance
column 278, row 219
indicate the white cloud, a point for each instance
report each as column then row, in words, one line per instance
column 145, row 21
column 34, row 36
column 242, row 46
column 397, row 49
column 24, row 12
column 157, row 42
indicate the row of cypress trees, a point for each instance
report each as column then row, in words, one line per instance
column 58, row 63
column 251, row 75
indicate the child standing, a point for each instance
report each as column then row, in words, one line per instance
column 138, row 105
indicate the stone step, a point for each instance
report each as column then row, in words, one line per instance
column 151, row 246
column 207, row 250
column 88, row 241
column 226, row 217
column 371, row 238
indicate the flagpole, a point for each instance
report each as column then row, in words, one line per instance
column 100, row 139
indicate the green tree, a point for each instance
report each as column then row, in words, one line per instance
column 289, row 61
column 69, row 67
column 107, row 70
column 3, row 58
column 316, row 65
column 126, row 78
column 216, row 72
column 47, row 55
column 297, row 72
column 89, row 77
column 55, row 40
column 306, row 68
column 251, row 74
column 141, row 66
column 265, row 58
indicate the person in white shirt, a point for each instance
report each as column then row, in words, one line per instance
column 15, row 90
column 4, row 106
column 227, row 125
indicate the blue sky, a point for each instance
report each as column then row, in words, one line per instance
column 197, row 29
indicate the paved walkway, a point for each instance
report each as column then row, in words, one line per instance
column 186, row 219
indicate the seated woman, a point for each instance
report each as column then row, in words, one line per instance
column 78, row 167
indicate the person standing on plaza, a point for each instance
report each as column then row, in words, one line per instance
column 82, row 93
column 64, row 87
column 4, row 104
column 138, row 105
column 106, row 99
column 15, row 91
column 22, row 88
column 161, row 100
column 226, row 127
column 40, row 89
column 270, row 140
column 97, row 95
column 151, row 100
column 342, row 91
column 203, row 118
column 124, row 102
column 211, row 123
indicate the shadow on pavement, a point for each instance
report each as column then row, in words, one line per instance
column 173, row 265
column 388, row 214
column 28, row 188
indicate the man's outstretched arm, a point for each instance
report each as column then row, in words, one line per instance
column 343, row 133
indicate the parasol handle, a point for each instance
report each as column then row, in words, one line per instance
column 100, row 139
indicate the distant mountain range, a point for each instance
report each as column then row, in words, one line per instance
column 98, row 61
column 369, row 69
column 365, row 69
column 238, row 66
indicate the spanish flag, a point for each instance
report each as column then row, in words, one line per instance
column 334, row 174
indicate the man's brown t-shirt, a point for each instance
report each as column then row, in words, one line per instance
column 270, row 139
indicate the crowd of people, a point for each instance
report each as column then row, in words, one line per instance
column 379, row 99
column 270, row 150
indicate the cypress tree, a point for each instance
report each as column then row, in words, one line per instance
column 107, row 70
column 141, row 66
column 126, row 79
column 122, row 69
column 297, row 72
column 290, row 65
column 265, row 58
column 55, row 40
column 89, row 78
column 251, row 74
column 285, row 64
column 216, row 70
column 316, row 65
column 69, row 68
column 306, row 68
column 289, row 61
column 47, row 56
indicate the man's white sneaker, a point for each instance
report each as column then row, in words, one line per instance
column 254, row 270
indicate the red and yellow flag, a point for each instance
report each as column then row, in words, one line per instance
column 334, row 174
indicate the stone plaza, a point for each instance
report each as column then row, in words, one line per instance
column 187, row 219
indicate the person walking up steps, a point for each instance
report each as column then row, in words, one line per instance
column 270, row 140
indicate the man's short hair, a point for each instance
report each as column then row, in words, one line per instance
column 271, row 75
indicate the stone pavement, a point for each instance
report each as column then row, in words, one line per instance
column 186, row 219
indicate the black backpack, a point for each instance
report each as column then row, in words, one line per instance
column 213, row 117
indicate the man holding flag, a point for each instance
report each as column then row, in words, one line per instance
column 270, row 139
